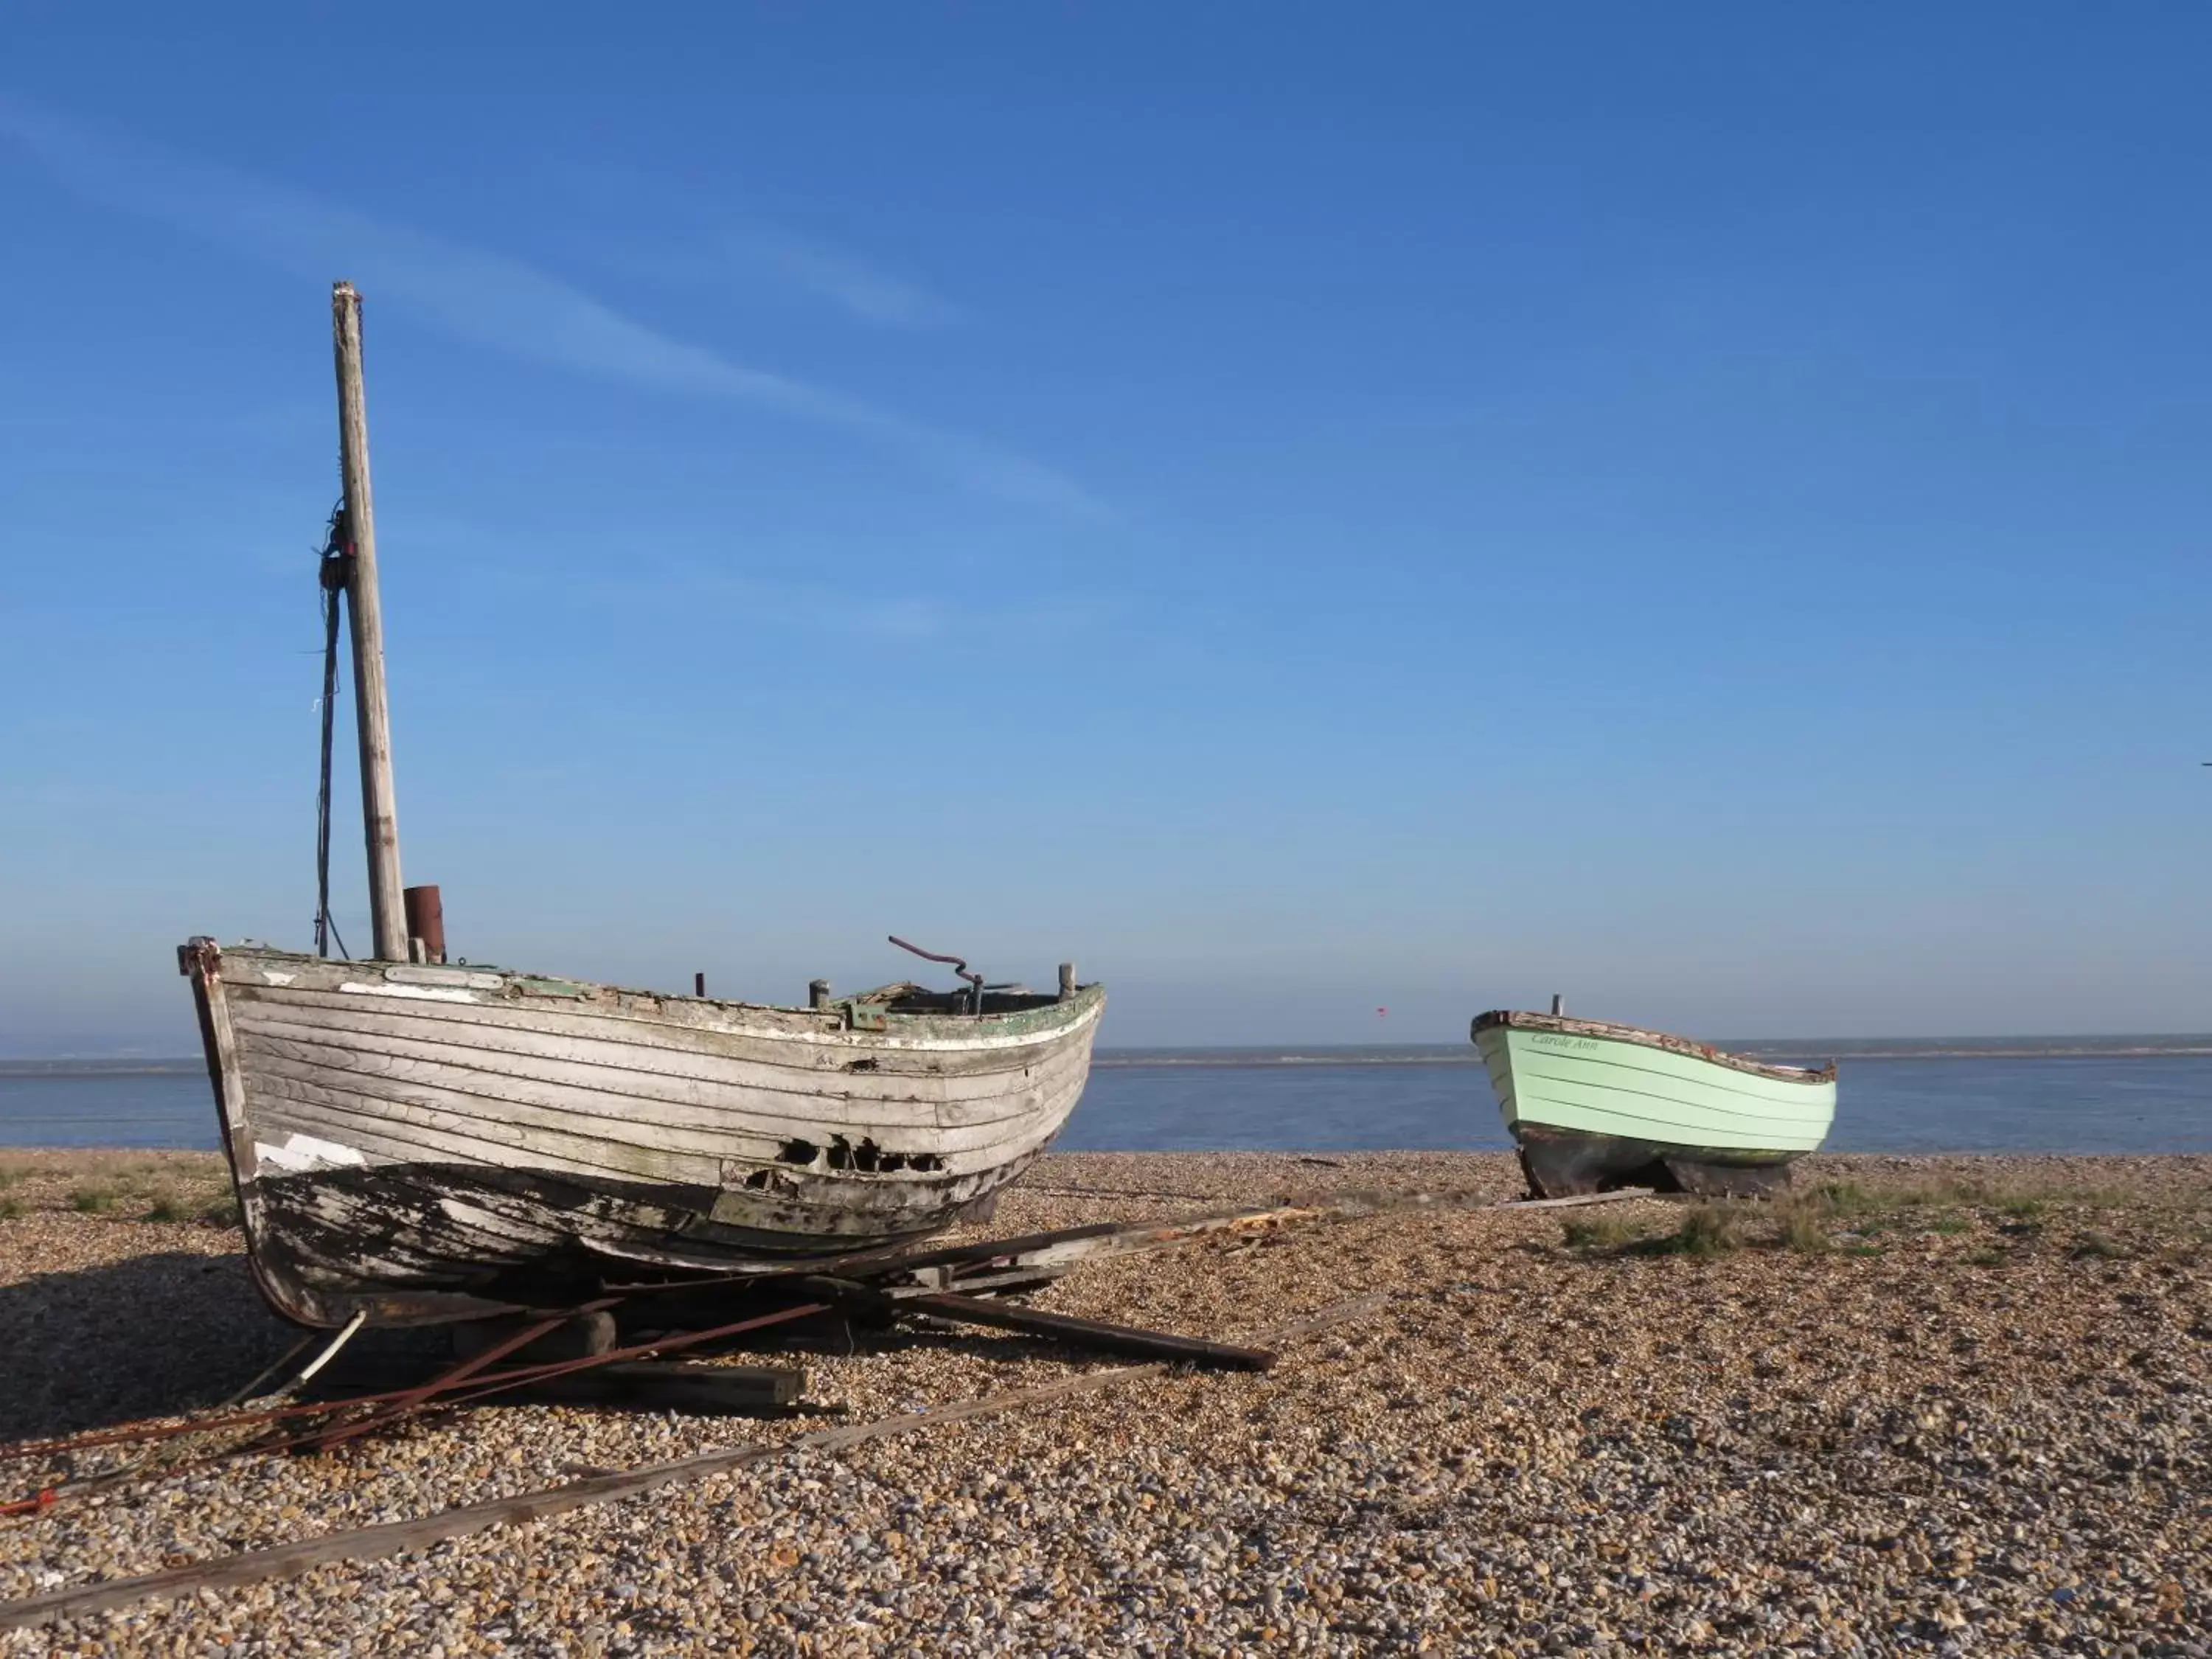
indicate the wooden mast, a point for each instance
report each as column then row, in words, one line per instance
column 380, row 816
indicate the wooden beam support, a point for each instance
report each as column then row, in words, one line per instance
column 669, row 1385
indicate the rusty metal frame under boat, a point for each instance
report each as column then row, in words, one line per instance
column 474, row 1378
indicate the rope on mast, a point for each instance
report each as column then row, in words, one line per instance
column 337, row 568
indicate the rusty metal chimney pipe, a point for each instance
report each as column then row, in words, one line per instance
column 426, row 921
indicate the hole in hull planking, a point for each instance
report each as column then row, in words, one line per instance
column 868, row 1065
column 869, row 1158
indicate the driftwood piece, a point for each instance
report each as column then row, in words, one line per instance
column 1090, row 1332
column 1574, row 1199
column 394, row 1538
column 1062, row 1252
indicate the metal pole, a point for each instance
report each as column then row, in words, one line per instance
column 380, row 816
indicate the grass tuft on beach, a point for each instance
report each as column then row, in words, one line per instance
column 1707, row 1229
column 1805, row 1229
column 170, row 1187
column 2001, row 1214
column 1602, row 1231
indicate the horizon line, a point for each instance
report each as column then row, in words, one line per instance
column 1961, row 1046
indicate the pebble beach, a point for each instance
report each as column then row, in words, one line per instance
column 1957, row 1405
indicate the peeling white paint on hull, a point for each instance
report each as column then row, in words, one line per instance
column 429, row 1143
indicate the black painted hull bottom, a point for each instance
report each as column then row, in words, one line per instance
column 417, row 1244
column 1572, row 1164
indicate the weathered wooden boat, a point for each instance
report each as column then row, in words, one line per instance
column 1596, row 1105
column 414, row 1141
column 422, row 1142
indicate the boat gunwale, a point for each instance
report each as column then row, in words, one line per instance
column 1048, row 1020
column 1607, row 1030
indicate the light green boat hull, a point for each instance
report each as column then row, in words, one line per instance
column 1593, row 1104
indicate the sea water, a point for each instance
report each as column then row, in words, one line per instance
column 1951, row 1095
column 2071, row 1094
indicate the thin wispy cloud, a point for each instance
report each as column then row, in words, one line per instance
column 488, row 298
column 671, row 239
column 967, row 617
column 872, row 295
column 966, row 620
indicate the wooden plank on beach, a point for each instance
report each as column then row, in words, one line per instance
column 1572, row 1200
column 1337, row 1207
column 1090, row 1333
column 394, row 1538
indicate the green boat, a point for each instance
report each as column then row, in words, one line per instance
column 1596, row 1105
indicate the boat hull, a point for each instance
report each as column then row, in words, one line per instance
column 418, row 1144
column 1594, row 1106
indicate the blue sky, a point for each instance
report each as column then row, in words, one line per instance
column 1303, row 509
